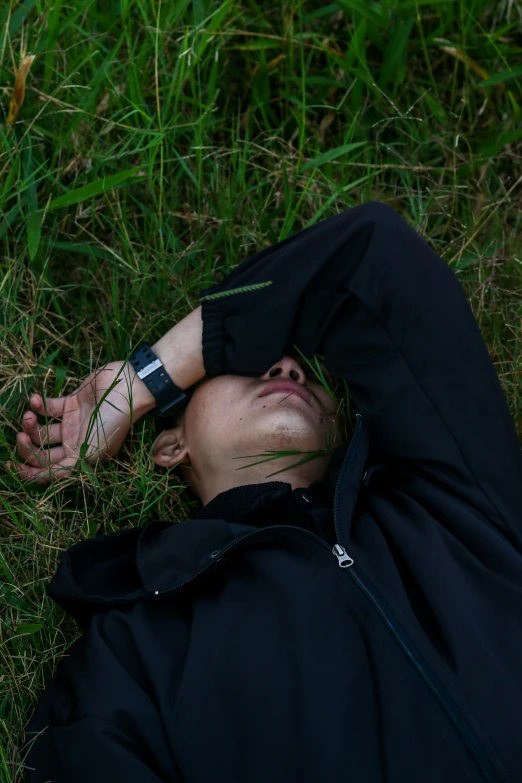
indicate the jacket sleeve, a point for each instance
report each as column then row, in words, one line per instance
column 96, row 722
column 389, row 316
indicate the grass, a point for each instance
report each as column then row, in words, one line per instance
column 160, row 144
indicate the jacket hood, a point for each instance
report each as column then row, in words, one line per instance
column 138, row 564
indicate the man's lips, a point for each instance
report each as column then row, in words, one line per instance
column 290, row 387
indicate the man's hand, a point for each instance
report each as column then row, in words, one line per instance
column 103, row 430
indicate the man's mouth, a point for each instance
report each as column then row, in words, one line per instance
column 290, row 387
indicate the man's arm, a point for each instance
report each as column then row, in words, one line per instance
column 390, row 317
column 96, row 721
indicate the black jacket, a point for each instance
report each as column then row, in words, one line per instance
column 368, row 629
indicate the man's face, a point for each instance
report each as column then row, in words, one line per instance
column 232, row 416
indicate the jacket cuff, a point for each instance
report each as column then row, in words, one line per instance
column 213, row 339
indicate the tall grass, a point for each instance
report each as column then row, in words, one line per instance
column 159, row 144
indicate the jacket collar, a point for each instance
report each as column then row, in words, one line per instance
column 170, row 555
column 266, row 504
column 241, row 504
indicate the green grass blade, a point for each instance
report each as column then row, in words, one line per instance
column 334, row 154
column 9, row 219
column 34, row 229
column 93, row 189
column 501, row 77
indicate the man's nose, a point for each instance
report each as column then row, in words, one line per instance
column 286, row 368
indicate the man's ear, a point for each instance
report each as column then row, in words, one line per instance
column 170, row 448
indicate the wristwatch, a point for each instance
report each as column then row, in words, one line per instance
column 169, row 397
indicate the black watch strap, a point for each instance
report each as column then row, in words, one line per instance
column 169, row 397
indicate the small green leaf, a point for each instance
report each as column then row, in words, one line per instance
column 91, row 474
column 89, row 528
column 48, row 360
column 324, row 11
column 83, row 449
column 12, row 599
column 332, row 155
column 501, row 76
column 92, row 189
column 396, row 52
column 370, row 10
column 77, row 247
column 60, row 373
column 17, row 18
column 34, row 229
column 28, row 628
column 6, row 192
column 8, row 219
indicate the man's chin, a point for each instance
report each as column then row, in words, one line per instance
column 291, row 439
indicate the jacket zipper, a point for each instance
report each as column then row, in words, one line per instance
column 454, row 714
column 345, row 561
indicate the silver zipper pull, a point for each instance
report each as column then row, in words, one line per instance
column 344, row 559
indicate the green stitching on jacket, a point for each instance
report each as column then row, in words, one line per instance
column 241, row 290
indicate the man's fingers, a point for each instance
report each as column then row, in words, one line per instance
column 26, row 450
column 41, row 434
column 38, row 457
column 52, row 474
column 52, row 406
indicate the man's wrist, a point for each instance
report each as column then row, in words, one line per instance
column 180, row 352
column 141, row 397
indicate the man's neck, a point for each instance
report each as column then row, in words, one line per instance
column 211, row 486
